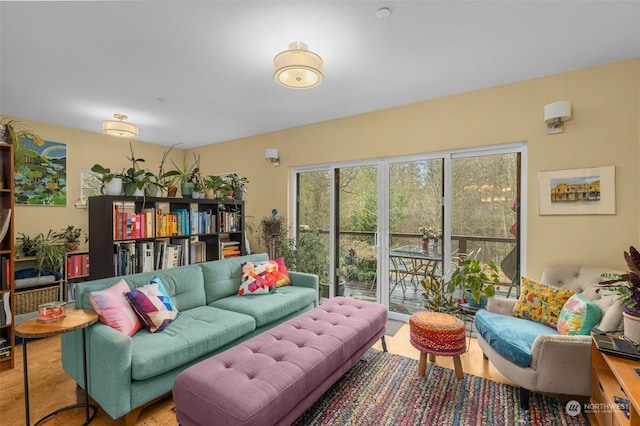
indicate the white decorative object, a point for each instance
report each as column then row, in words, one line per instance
column 631, row 326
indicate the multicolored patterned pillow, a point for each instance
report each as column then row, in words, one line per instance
column 578, row 316
column 541, row 302
column 282, row 275
column 258, row 278
column 153, row 305
column 114, row 309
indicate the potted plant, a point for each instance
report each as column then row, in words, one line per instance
column 212, row 184
column 272, row 229
column 437, row 296
column 237, row 184
column 308, row 254
column 111, row 181
column 187, row 175
column 627, row 289
column 71, row 236
column 49, row 250
column 13, row 132
column 168, row 179
column 477, row 279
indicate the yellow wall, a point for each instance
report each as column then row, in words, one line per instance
column 605, row 130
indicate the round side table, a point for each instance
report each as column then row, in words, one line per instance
column 35, row 328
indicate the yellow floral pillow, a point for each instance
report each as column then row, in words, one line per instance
column 541, row 302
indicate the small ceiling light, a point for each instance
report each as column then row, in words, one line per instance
column 120, row 127
column 383, row 12
column 298, row 67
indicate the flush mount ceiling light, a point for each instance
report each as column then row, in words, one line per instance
column 298, row 67
column 120, row 127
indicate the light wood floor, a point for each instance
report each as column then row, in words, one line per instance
column 51, row 388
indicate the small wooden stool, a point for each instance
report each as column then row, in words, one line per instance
column 435, row 333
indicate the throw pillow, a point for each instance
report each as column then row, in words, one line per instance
column 258, row 278
column 541, row 302
column 282, row 274
column 578, row 316
column 114, row 310
column 153, row 305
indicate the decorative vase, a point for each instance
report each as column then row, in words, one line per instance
column 631, row 324
column 187, row 189
column 209, row 193
column 114, row 186
column 237, row 194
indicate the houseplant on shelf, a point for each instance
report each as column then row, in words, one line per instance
column 477, row 279
column 237, row 184
column 111, row 181
column 212, row 184
column 627, row 288
column 187, row 175
column 49, row 250
column 71, row 236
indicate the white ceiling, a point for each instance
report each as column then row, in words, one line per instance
column 200, row 72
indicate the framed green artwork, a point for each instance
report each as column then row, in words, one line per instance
column 41, row 177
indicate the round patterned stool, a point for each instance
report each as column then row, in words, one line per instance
column 435, row 333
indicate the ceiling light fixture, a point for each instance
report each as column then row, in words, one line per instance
column 120, row 127
column 298, row 67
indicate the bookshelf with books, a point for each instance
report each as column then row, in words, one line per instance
column 7, row 257
column 138, row 234
column 76, row 271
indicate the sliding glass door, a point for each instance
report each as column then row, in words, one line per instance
column 387, row 225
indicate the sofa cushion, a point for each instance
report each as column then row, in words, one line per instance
column 282, row 276
column 222, row 277
column 541, row 302
column 272, row 307
column 114, row 308
column 258, row 278
column 153, row 305
column 193, row 334
column 578, row 316
column 511, row 337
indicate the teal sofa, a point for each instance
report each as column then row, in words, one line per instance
column 125, row 373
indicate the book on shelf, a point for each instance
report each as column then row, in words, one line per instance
column 71, row 290
column 5, row 273
column 228, row 248
column 5, row 309
column 5, row 352
column 5, row 220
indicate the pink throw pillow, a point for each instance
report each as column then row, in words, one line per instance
column 114, row 309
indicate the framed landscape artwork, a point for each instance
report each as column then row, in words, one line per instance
column 41, row 179
column 577, row 191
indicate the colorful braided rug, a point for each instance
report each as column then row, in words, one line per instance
column 384, row 389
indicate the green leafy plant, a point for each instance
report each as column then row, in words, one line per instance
column 306, row 254
column 236, row 182
column 71, row 235
column 14, row 132
column 106, row 173
column 626, row 286
column 437, row 296
column 49, row 250
column 475, row 277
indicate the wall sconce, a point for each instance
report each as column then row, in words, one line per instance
column 555, row 115
column 271, row 154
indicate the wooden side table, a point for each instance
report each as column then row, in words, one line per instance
column 35, row 328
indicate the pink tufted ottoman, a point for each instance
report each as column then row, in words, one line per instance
column 435, row 333
column 272, row 378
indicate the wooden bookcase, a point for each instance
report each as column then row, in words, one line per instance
column 611, row 377
column 7, row 254
column 125, row 231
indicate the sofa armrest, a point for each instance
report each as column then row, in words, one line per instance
column 562, row 362
column 501, row 305
column 108, row 364
column 302, row 279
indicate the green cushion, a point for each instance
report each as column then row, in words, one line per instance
column 194, row 333
column 267, row 308
column 578, row 316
